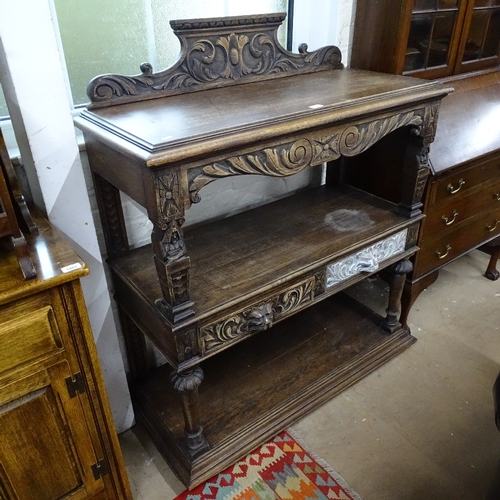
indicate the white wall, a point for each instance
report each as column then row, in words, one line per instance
column 32, row 75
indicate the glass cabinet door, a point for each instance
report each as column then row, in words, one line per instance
column 480, row 44
column 433, row 36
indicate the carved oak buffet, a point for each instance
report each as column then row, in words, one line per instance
column 236, row 103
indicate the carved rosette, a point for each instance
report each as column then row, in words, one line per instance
column 215, row 53
column 366, row 260
column 185, row 382
column 293, row 157
column 258, row 318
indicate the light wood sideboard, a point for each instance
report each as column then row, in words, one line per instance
column 247, row 311
column 57, row 435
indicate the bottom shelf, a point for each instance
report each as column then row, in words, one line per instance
column 260, row 386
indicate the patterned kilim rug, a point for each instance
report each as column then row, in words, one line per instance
column 280, row 469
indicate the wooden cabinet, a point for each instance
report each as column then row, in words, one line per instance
column 426, row 38
column 57, row 436
column 248, row 310
column 460, row 200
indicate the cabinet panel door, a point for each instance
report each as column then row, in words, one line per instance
column 433, row 37
column 46, row 452
column 480, row 43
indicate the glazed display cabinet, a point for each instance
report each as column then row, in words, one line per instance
column 427, row 38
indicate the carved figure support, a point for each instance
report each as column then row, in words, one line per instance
column 414, row 175
column 172, row 263
column 187, row 385
column 398, row 272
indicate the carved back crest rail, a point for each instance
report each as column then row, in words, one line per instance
column 215, row 52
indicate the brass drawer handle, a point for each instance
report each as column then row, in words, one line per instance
column 496, row 196
column 443, row 255
column 453, row 190
column 447, row 221
column 492, row 227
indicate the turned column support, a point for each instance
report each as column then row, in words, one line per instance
column 187, row 385
column 398, row 272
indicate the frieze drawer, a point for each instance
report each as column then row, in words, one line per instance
column 246, row 322
column 366, row 260
column 259, row 317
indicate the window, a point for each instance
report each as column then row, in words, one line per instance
column 4, row 112
column 116, row 36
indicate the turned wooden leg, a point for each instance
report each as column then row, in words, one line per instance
column 187, row 385
column 491, row 271
column 411, row 292
column 398, row 272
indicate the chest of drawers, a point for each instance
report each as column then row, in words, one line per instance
column 462, row 197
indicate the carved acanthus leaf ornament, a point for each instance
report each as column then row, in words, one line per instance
column 290, row 158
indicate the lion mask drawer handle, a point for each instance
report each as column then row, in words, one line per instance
column 496, row 196
column 443, row 255
column 492, row 227
column 447, row 221
column 453, row 190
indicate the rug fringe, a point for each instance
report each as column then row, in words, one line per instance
column 325, row 466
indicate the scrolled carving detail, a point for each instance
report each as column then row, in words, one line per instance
column 216, row 52
column 365, row 260
column 282, row 161
column 257, row 318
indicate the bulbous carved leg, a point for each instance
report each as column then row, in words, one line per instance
column 187, row 385
column 398, row 272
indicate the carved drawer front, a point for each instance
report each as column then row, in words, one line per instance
column 445, row 216
column 457, row 184
column 467, row 236
column 366, row 260
column 27, row 337
column 258, row 317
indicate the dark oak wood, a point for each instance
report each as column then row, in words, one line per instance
column 325, row 349
column 58, row 436
column 205, row 295
column 426, row 39
column 461, row 198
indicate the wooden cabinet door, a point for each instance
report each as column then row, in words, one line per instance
column 480, row 42
column 46, row 452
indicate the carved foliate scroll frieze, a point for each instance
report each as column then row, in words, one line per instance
column 257, row 318
column 292, row 157
column 216, row 53
column 281, row 161
column 366, row 260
